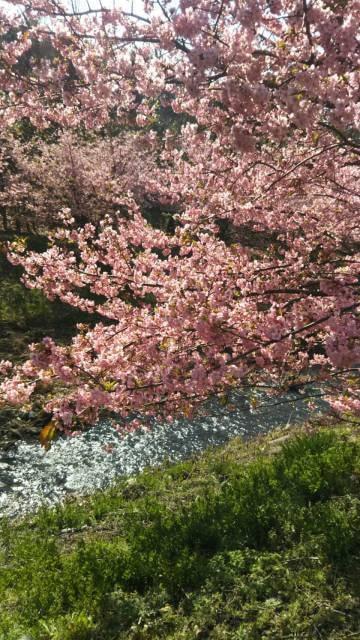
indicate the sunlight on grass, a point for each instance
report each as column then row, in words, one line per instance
column 239, row 543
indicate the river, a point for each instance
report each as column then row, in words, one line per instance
column 31, row 476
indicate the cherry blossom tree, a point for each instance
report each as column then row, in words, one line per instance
column 82, row 179
column 255, row 279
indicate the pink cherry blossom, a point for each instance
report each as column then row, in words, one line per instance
column 223, row 251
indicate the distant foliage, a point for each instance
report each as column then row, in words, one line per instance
column 75, row 179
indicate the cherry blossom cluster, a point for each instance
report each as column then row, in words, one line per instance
column 44, row 181
column 256, row 280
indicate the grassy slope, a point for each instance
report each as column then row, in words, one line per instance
column 249, row 541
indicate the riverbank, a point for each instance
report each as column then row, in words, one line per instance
column 250, row 540
column 26, row 317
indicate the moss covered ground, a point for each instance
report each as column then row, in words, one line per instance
column 248, row 541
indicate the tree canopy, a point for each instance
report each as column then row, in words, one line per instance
column 210, row 214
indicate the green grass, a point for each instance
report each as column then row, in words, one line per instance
column 246, row 542
column 23, row 308
column 27, row 316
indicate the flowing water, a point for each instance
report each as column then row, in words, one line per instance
column 31, row 476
